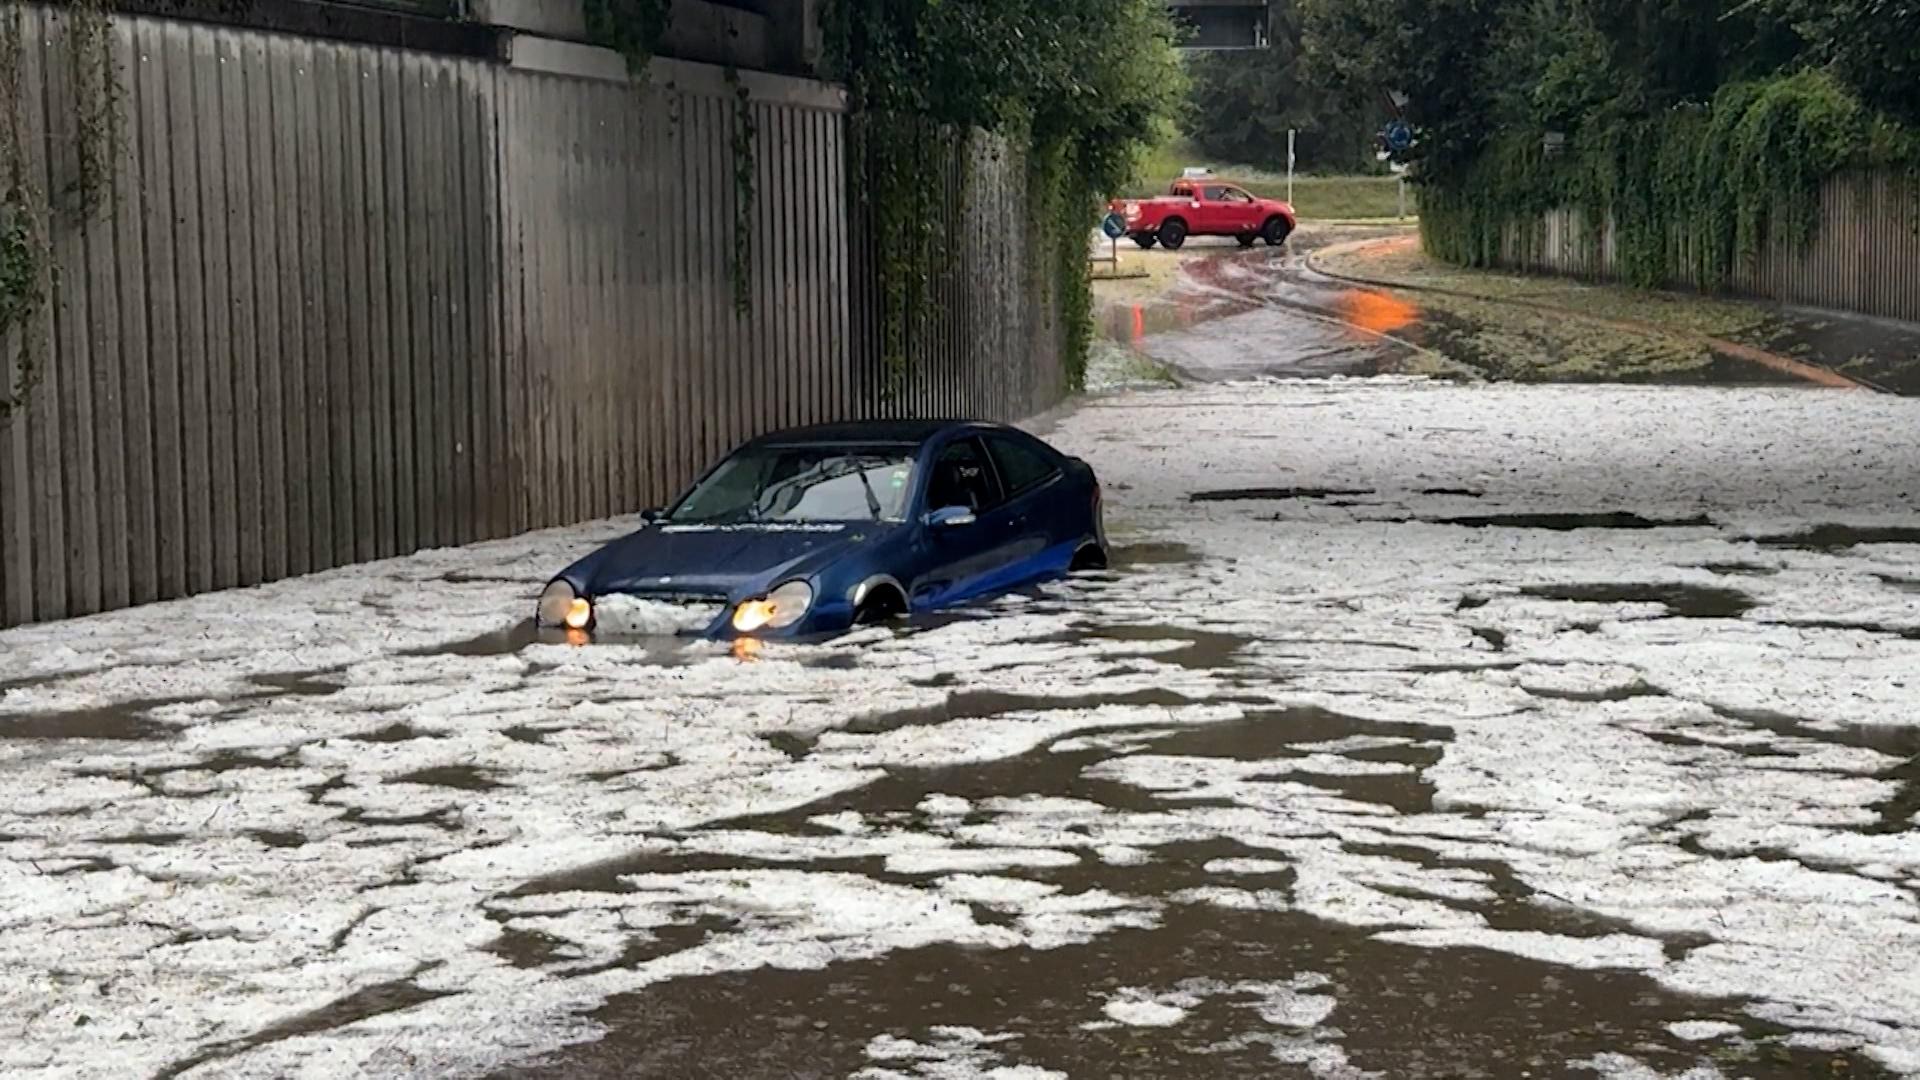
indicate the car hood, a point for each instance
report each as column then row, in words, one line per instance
column 716, row 560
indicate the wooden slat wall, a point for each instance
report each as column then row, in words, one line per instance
column 348, row 302
column 1865, row 259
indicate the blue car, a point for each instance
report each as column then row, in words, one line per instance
column 806, row 533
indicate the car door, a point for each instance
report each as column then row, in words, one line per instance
column 1241, row 211
column 1048, row 521
column 958, row 562
column 1214, row 215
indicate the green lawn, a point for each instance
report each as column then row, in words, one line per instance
column 1322, row 198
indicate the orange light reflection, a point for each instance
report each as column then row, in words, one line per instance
column 1377, row 312
column 747, row 649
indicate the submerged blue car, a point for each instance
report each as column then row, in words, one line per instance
column 809, row 532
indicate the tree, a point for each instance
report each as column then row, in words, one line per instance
column 1437, row 53
column 1872, row 45
column 1245, row 102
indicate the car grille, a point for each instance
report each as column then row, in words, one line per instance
column 656, row 613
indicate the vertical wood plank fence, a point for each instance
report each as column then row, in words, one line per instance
column 344, row 302
column 1865, row 259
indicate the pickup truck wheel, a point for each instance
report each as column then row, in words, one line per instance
column 1173, row 234
column 1145, row 240
column 1246, row 238
column 1276, row 232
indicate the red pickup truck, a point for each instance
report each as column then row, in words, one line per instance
column 1205, row 208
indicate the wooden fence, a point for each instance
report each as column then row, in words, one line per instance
column 1866, row 257
column 343, row 302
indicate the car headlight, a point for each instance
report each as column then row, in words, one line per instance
column 780, row 608
column 561, row 606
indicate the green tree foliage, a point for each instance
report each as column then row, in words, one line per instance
column 1873, row 45
column 1245, row 101
column 1085, row 85
column 1703, row 129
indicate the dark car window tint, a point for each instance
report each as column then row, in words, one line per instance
column 1023, row 467
column 961, row 478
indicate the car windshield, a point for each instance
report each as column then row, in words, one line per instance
column 802, row 484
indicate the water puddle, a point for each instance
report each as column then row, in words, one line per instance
column 1681, row 601
column 498, row 643
column 1154, row 554
column 1737, row 569
column 389, row 997
column 297, row 684
column 1831, row 538
column 1408, row 1013
column 1413, row 1013
column 1618, row 520
column 459, row 777
column 1278, row 494
column 1205, row 650
column 115, row 723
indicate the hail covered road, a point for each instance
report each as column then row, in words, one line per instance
column 1420, row 730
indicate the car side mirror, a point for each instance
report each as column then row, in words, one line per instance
column 652, row 515
column 950, row 517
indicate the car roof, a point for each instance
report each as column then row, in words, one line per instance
column 898, row 432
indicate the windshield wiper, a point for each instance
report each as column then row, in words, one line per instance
column 819, row 474
column 866, row 485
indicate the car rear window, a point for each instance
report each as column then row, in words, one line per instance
column 1021, row 465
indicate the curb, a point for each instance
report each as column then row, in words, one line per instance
column 1812, row 373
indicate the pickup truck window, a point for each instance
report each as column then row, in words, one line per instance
column 1227, row 194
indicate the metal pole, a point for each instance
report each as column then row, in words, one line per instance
column 1290, row 137
column 1403, row 196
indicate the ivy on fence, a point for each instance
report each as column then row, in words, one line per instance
column 27, row 216
column 632, row 28
column 744, row 194
column 1690, row 193
column 1081, row 87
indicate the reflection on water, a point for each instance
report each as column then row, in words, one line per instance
column 1377, row 312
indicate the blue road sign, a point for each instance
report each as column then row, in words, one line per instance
column 1114, row 226
column 1399, row 136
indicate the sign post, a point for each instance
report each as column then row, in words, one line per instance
column 1115, row 227
column 1291, row 134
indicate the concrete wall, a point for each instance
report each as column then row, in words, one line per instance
column 345, row 302
column 1865, row 259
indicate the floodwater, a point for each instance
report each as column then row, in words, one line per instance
column 1397, row 1011
column 1264, row 313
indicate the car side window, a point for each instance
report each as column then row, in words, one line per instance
column 1236, row 195
column 961, row 477
column 1023, row 467
column 1218, row 194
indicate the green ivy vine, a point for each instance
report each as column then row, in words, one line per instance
column 98, row 97
column 745, row 131
column 24, row 249
column 1691, row 193
column 633, row 28
column 1079, row 88
column 27, row 215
